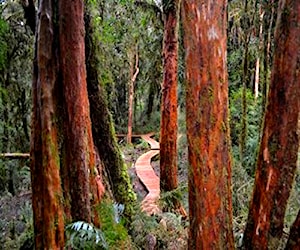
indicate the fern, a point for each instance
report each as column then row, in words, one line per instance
column 167, row 198
column 83, row 235
column 118, row 211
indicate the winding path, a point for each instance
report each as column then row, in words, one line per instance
column 148, row 177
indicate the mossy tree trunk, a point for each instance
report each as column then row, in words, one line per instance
column 102, row 124
column 63, row 168
column 168, row 125
column 210, row 203
column 277, row 161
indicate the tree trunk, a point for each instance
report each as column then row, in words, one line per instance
column 210, row 203
column 81, row 155
column 134, row 70
column 260, row 48
column 294, row 238
column 245, row 81
column 268, row 27
column 279, row 146
column 168, row 125
column 45, row 163
column 63, row 167
column 150, row 101
column 103, row 127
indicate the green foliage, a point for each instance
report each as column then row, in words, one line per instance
column 27, row 237
column 167, row 198
column 254, row 115
column 82, row 235
column 143, row 125
column 3, row 43
column 167, row 230
column 117, row 35
column 168, row 5
column 142, row 145
column 112, row 224
column 15, row 91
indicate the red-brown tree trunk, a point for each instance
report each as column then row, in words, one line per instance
column 210, row 204
column 81, row 155
column 168, row 125
column 45, row 163
column 279, row 146
column 63, row 167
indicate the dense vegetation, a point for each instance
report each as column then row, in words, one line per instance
column 130, row 32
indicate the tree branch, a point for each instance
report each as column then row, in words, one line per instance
column 14, row 155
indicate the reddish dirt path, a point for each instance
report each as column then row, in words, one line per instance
column 148, row 177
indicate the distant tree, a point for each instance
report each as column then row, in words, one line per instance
column 168, row 125
column 133, row 73
column 210, row 205
column 66, row 181
column 277, row 160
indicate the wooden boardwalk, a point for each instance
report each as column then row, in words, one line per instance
column 148, row 177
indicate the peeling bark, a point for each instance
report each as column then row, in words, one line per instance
column 277, row 160
column 210, row 205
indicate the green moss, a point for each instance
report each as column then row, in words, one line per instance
column 112, row 224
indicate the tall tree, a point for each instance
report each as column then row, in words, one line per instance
column 134, row 70
column 269, row 20
column 210, row 205
column 277, row 160
column 168, row 125
column 102, row 124
column 63, row 167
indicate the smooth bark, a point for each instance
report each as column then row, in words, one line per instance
column 168, row 125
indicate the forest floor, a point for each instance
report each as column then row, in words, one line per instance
column 16, row 221
column 166, row 229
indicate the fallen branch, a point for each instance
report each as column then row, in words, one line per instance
column 14, row 155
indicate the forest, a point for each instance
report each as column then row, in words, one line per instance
column 150, row 124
